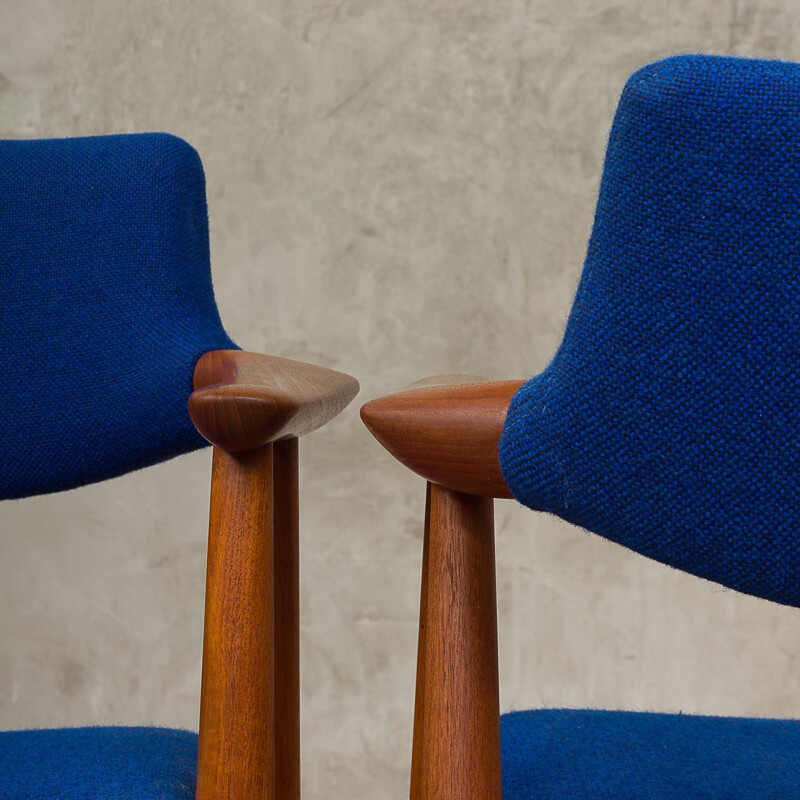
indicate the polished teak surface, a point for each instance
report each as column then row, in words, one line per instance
column 244, row 400
column 253, row 408
column 456, row 749
column 446, row 430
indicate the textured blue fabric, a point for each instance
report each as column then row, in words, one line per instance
column 618, row 755
column 668, row 420
column 106, row 304
column 98, row 764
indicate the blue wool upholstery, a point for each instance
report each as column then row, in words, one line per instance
column 669, row 418
column 618, row 755
column 98, row 764
column 107, row 304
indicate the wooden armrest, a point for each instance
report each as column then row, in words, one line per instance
column 447, row 429
column 243, row 400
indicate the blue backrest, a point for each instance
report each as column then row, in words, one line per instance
column 669, row 419
column 106, row 304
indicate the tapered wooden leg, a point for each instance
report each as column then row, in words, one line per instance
column 456, row 754
column 417, row 757
column 236, row 759
column 287, row 622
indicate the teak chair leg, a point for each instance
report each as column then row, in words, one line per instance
column 236, row 759
column 287, row 621
column 416, row 791
column 456, row 751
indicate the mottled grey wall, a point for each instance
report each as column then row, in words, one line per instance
column 396, row 189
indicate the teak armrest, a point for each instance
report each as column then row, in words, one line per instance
column 447, row 429
column 245, row 400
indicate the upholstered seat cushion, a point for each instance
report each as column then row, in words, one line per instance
column 98, row 764
column 622, row 755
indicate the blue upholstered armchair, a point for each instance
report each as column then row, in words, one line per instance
column 668, row 421
column 108, row 329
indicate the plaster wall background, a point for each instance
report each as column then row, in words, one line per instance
column 396, row 190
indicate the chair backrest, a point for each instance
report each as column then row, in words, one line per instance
column 669, row 419
column 106, row 304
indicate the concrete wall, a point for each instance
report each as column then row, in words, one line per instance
column 396, row 189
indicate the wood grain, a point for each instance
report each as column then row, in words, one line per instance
column 417, row 746
column 447, row 432
column 287, row 620
column 447, row 429
column 253, row 408
column 456, row 752
column 245, row 400
column 236, row 757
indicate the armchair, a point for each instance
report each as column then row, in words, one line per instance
column 108, row 330
column 666, row 422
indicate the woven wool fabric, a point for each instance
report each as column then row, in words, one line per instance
column 668, row 420
column 106, row 305
column 98, row 764
column 556, row 754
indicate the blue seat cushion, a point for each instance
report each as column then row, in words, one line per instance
column 98, row 764
column 556, row 754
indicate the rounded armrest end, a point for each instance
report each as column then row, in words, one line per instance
column 243, row 400
column 447, row 431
